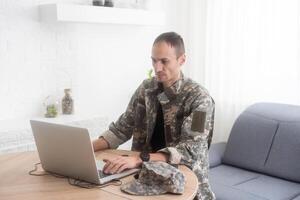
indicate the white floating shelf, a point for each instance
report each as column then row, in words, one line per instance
column 99, row 14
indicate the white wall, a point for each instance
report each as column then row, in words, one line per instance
column 103, row 64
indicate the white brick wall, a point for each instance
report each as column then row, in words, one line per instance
column 20, row 138
column 103, row 64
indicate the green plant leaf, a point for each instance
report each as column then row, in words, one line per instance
column 150, row 73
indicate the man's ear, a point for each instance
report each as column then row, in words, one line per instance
column 181, row 59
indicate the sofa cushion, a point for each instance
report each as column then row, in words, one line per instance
column 249, row 141
column 230, row 176
column 284, row 158
column 276, row 111
column 297, row 197
column 224, row 192
column 270, row 187
column 228, row 182
column 216, row 152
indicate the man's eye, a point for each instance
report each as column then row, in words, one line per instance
column 164, row 62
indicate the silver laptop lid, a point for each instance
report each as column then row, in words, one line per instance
column 65, row 150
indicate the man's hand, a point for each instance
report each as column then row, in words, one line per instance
column 121, row 163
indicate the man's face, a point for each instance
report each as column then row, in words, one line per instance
column 166, row 64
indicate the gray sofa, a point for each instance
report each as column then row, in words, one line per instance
column 261, row 159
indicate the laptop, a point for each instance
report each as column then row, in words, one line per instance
column 68, row 151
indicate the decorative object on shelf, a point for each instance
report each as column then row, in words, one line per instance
column 109, row 3
column 67, row 103
column 98, row 2
column 51, row 105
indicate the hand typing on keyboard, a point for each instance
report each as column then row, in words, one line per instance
column 121, row 163
column 100, row 165
column 102, row 174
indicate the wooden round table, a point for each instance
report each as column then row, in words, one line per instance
column 17, row 184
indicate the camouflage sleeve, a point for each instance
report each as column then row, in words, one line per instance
column 121, row 130
column 193, row 145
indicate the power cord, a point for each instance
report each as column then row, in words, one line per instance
column 72, row 181
column 31, row 172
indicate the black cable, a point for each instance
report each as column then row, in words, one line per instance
column 43, row 174
column 74, row 182
column 35, row 169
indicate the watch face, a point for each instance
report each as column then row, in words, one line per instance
column 145, row 156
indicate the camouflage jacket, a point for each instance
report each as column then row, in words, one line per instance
column 179, row 102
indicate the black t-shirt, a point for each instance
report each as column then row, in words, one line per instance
column 158, row 138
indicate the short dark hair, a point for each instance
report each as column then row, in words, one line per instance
column 173, row 39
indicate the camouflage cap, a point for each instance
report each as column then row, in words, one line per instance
column 156, row 178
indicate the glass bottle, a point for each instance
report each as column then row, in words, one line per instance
column 109, row 3
column 98, row 2
column 67, row 103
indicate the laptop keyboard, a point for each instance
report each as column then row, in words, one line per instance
column 100, row 165
column 101, row 174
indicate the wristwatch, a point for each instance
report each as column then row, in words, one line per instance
column 145, row 156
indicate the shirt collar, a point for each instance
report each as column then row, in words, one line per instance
column 171, row 92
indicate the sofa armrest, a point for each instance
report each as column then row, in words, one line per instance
column 216, row 152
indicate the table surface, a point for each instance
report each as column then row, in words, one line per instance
column 17, row 184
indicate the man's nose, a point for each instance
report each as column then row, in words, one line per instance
column 158, row 67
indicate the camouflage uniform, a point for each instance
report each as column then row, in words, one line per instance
column 156, row 178
column 183, row 145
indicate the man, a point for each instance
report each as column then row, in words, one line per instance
column 161, row 118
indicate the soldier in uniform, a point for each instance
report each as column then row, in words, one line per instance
column 170, row 118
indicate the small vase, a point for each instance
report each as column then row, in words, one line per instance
column 109, row 3
column 98, row 2
column 67, row 103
